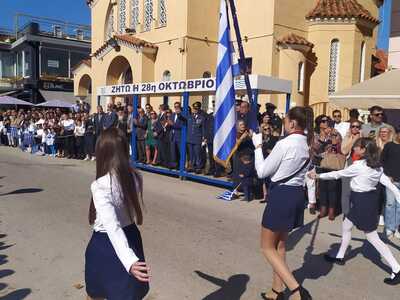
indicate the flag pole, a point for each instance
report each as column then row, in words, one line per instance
column 242, row 61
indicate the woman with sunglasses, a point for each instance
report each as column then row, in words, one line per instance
column 353, row 134
column 151, row 142
column 384, row 136
column 327, row 141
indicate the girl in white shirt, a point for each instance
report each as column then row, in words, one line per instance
column 287, row 165
column 115, row 266
column 365, row 175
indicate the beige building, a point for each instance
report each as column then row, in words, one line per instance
column 322, row 46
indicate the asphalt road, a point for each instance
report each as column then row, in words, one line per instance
column 198, row 247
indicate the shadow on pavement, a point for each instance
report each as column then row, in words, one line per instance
column 17, row 295
column 12, row 295
column 23, row 191
column 231, row 289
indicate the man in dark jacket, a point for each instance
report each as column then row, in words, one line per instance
column 98, row 120
column 176, row 123
column 140, row 123
column 110, row 118
column 162, row 131
column 195, row 137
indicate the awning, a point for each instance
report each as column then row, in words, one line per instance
column 56, row 103
column 382, row 90
column 63, row 96
column 7, row 100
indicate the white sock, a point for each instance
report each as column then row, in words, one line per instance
column 346, row 237
column 383, row 250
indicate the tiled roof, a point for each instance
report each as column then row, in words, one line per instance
column 294, row 39
column 340, row 9
column 383, row 60
column 126, row 38
column 134, row 41
column 87, row 61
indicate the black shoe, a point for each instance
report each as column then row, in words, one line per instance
column 198, row 171
column 339, row 261
column 312, row 210
column 395, row 279
column 279, row 295
column 304, row 294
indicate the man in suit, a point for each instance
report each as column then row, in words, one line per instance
column 195, row 137
column 110, row 118
column 98, row 121
column 215, row 169
column 129, row 128
column 162, row 130
column 140, row 124
column 176, row 123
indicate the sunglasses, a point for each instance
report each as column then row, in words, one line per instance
column 324, row 121
column 355, row 126
column 378, row 115
column 337, row 116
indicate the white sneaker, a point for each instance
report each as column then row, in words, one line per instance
column 397, row 234
column 93, row 158
column 389, row 234
column 381, row 221
column 87, row 158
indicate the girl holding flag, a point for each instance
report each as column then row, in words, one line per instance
column 287, row 165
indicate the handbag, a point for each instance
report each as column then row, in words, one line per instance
column 333, row 161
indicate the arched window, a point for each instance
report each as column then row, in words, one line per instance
column 362, row 62
column 333, row 66
column 166, row 76
column 122, row 16
column 162, row 12
column 300, row 77
column 148, row 14
column 109, row 24
column 134, row 13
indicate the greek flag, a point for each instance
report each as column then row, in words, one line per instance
column 225, row 115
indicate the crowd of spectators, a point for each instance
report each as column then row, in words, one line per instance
column 73, row 134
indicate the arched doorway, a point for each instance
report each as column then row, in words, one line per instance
column 85, row 86
column 120, row 72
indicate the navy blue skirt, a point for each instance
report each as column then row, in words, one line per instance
column 105, row 275
column 364, row 210
column 285, row 208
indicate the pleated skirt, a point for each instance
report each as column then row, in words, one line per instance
column 105, row 275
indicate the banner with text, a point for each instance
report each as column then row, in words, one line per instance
column 164, row 87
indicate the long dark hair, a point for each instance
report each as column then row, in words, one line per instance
column 304, row 117
column 372, row 152
column 112, row 156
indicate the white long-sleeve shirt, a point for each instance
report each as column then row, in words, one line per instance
column 286, row 158
column 112, row 217
column 363, row 178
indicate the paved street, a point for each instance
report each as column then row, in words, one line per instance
column 198, row 247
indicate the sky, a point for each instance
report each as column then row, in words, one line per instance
column 75, row 11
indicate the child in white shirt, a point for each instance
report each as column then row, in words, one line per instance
column 365, row 175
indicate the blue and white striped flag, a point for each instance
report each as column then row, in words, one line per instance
column 225, row 114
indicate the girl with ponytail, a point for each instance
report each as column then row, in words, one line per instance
column 365, row 175
column 287, row 165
